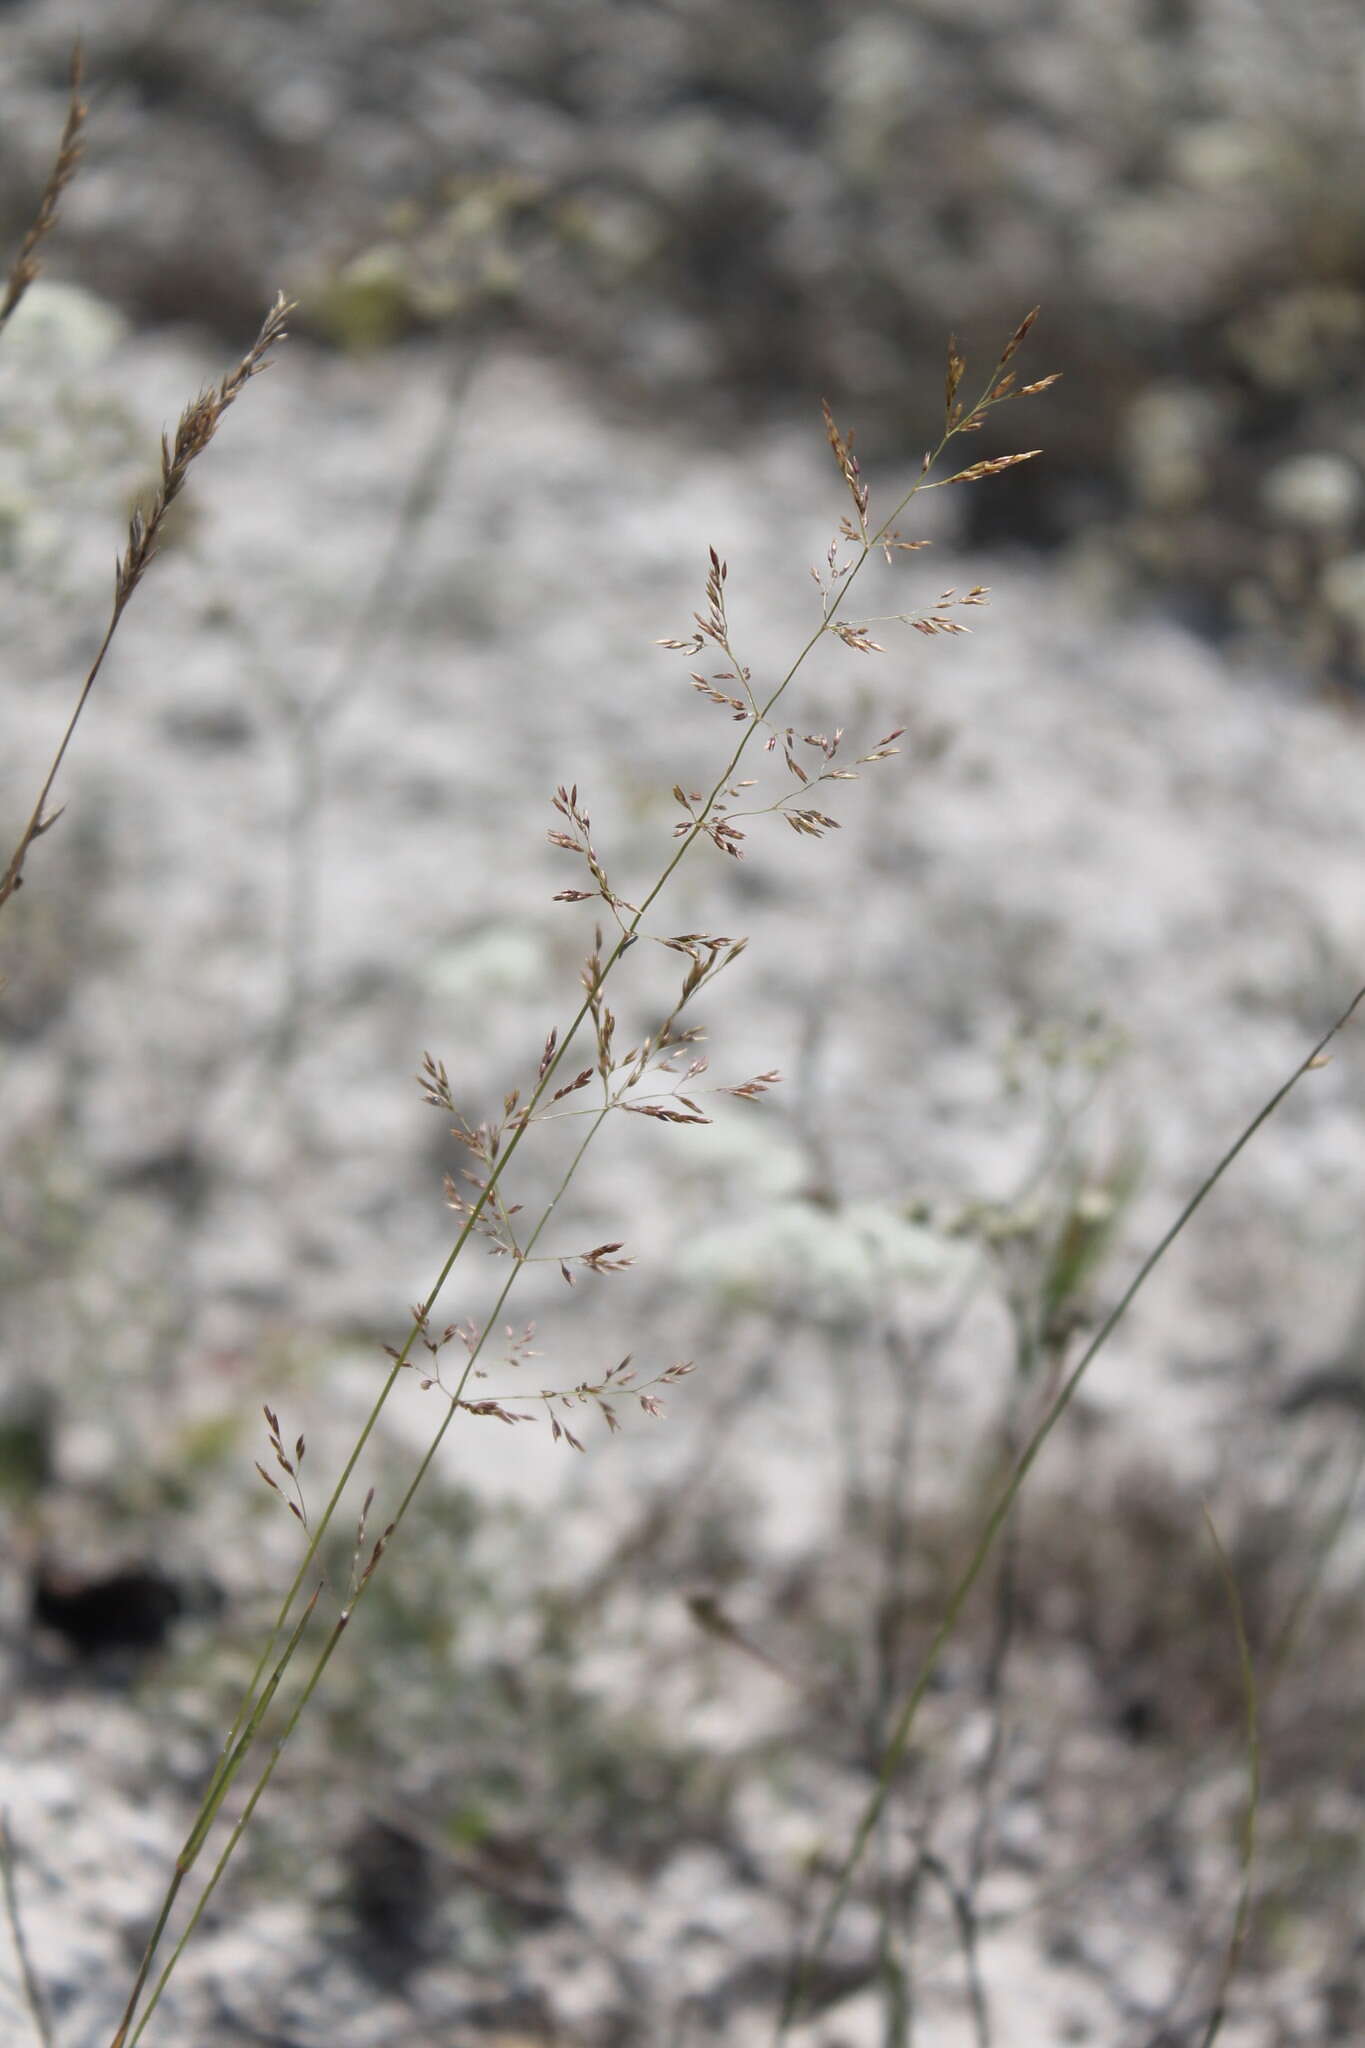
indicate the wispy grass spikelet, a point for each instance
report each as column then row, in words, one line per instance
column 26, row 264
column 198, row 425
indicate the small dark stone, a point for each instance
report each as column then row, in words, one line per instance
column 1139, row 1718
column 176, row 1173
column 391, row 1896
column 124, row 1610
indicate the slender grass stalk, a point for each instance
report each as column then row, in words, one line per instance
column 1242, row 1918
column 70, row 149
column 28, row 1976
column 709, row 818
column 198, row 424
column 965, row 1920
column 894, row 1754
column 1275, row 1665
column 1282, row 1649
column 312, row 722
column 334, row 1636
column 208, row 1813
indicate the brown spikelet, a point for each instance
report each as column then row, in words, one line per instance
column 197, row 427
column 991, row 467
column 198, row 424
column 953, row 377
column 1019, row 336
column 26, row 264
column 848, row 463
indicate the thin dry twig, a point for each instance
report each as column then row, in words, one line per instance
column 33, row 1990
column 26, row 265
column 1242, row 1918
column 197, row 427
column 896, row 1748
column 964, row 1916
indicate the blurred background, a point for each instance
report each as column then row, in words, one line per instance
column 730, row 215
column 572, row 281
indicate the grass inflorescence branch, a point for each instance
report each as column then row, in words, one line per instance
column 198, row 424
column 70, row 149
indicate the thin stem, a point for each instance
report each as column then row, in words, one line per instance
column 1242, row 1917
column 1282, row 1649
column 207, row 1814
column 33, row 1990
column 895, row 1750
column 339, row 1627
column 315, row 721
column 26, row 265
column 964, row 1915
column 197, row 426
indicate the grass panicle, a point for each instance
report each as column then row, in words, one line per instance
column 664, row 1065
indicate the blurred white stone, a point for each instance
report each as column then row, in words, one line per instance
column 1316, row 493
column 59, row 328
column 1343, row 591
column 494, row 962
column 1214, row 155
column 835, row 1262
column 1171, row 434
